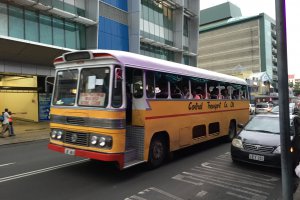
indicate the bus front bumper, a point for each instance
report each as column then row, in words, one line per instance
column 116, row 157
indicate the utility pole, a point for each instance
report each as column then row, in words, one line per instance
column 285, row 142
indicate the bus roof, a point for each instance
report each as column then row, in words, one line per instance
column 155, row 64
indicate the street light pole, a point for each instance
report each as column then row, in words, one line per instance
column 285, row 142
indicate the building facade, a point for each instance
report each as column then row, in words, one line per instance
column 34, row 32
column 241, row 46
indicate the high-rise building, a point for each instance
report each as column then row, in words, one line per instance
column 236, row 45
column 34, row 32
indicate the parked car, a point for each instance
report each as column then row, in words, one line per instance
column 251, row 109
column 258, row 142
column 263, row 108
column 292, row 109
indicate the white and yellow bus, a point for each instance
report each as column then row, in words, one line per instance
column 127, row 108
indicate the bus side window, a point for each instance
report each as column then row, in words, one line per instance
column 150, row 86
column 138, row 85
column 117, row 88
column 161, row 86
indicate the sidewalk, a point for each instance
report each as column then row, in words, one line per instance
column 27, row 131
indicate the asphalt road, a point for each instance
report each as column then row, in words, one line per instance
column 31, row 171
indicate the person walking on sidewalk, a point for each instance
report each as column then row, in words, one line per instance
column 5, row 122
column 10, row 126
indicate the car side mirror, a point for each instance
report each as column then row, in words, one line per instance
column 240, row 125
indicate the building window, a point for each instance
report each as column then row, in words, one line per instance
column 58, row 32
column 31, row 26
column 45, row 29
column 186, row 26
column 3, row 19
column 16, row 22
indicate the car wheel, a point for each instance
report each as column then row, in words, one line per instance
column 231, row 132
column 157, row 152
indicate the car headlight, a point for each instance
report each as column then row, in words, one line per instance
column 277, row 150
column 94, row 140
column 237, row 143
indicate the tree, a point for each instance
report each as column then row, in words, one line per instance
column 297, row 89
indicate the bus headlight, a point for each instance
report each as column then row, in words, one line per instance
column 59, row 134
column 53, row 134
column 101, row 141
column 94, row 140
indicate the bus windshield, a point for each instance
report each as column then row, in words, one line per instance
column 94, row 87
column 65, row 87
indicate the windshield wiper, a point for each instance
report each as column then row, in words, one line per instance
column 263, row 131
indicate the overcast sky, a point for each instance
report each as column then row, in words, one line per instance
column 254, row 7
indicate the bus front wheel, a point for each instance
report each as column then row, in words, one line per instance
column 157, row 152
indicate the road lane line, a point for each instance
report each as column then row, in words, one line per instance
column 227, row 185
column 17, row 176
column 254, row 174
column 201, row 194
column 166, row 193
column 3, row 165
column 235, row 180
column 234, row 175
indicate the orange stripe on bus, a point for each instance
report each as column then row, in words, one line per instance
column 187, row 114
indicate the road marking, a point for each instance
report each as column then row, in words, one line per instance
column 149, row 192
column 187, row 179
column 229, row 186
column 201, row 194
column 255, row 175
column 3, row 165
column 166, row 194
column 17, row 176
column 235, row 175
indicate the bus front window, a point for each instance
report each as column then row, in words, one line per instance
column 94, row 87
column 65, row 87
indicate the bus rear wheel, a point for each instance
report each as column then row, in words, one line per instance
column 232, row 131
column 157, row 152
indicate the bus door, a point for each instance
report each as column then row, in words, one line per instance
column 134, row 152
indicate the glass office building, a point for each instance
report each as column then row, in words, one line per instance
column 161, row 29
column 34, row 32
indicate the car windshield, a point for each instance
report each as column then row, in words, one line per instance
column 276, row 109
column 264, row 124
column 65, row 87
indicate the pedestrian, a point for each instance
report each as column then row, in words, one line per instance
column 5, row 123
column 10, row 126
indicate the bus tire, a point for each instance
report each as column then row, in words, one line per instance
column 231, row 131
column 157, row 152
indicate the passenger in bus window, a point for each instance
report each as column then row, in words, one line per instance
column 176, row 93
column 195, row 95
column 162, row 92
column 225, row 94
column 235, row 94
column 186, row 93
column 214, row 93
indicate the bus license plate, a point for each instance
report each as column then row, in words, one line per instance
column 256, row 157
column 70, row 151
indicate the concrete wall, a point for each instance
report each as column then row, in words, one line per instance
column 22, row 102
